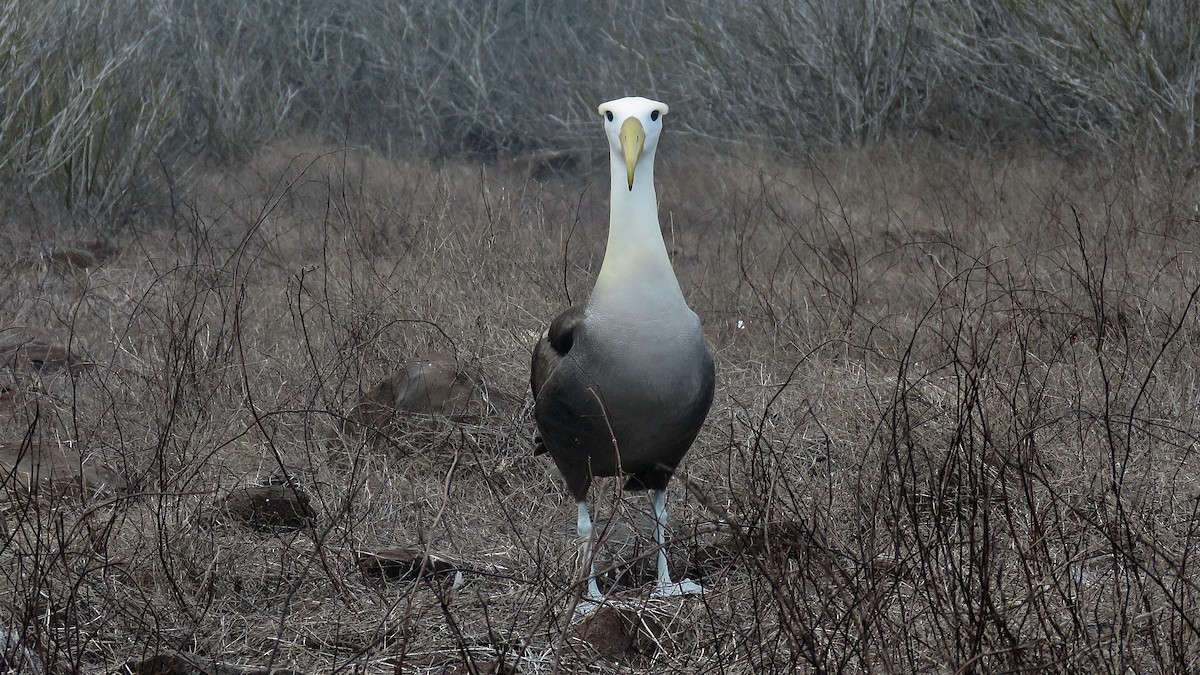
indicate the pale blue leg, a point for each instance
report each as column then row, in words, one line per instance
column 584, row 527
column 665, row 587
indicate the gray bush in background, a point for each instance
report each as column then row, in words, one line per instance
column 85, row 101
column 1080, row 75
column 94, row 90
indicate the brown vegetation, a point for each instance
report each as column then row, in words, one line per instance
column 955, row 421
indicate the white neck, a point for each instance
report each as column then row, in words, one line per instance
column 636, row 258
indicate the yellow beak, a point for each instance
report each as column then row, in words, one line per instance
column 633, row 138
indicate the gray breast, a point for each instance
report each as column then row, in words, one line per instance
column 654, row 377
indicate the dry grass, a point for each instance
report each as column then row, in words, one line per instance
column 99, row 100
column 958, row 393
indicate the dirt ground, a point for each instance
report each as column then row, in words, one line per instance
column 955, row 425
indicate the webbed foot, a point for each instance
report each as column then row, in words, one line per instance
column 683, row 587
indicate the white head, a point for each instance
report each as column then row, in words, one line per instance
column 633, row 125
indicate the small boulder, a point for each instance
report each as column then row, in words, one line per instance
column 270, row 507
column 81, row 255
column 431, row 386
column 404, row 564
column 619, row 634
column 72, row 258
column 38, row 354
column 41, row 466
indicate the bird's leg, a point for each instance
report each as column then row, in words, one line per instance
column 584, row 527
column 660, row 537
column 665, row 587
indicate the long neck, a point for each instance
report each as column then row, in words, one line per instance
column 636, row 256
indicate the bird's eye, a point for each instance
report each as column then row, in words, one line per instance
column 608, row 115
column 654, row 116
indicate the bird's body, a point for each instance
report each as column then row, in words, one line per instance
column 623, row 382
column 627, row 396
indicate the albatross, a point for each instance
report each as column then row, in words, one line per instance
column 623, row 382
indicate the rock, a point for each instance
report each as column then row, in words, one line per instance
column 82, row 254
column 270, row 507
column 72, row 258
column 16, row 656
column 432, row 386
column 38, row 354
column 404, row 564
column 618, row 634
column 41, row 466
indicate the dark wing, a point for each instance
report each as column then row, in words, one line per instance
column 553, row 346
column 550, row 350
